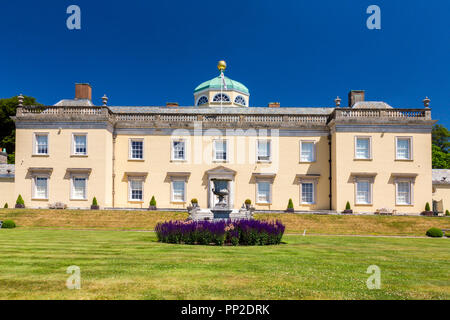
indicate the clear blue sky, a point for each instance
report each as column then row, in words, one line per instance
column 300, row 53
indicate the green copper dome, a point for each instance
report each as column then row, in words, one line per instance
column 215, row 83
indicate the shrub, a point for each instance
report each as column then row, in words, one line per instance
column 194, row 200
column 427, row 207
column 435, row 233
column 347, row 206
column 153, row 202
column 248, row 201
column 290, row 204
column 447, row 213
column 6, row 205
column 243, row 232
column 8, row 224
column 94, row 202
column 20, row 200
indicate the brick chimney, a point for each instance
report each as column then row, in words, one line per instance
column 3, row 156
column 355, row 96
column 83, row 91
column 274, row 105
column 172, row 104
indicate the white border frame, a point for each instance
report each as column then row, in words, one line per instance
column 79, row 175
column 410, row 138
column 371, row 182
column 355, row 157
column 130, row 140
column 314, row 151
column 33, row 187
column 73, row 153
column 185, row 149
column 35, row 134
column 257, row 149
column 226, row 150
column 258, row 181
column 172, row 189
column 142, row 180
column 314, row 183
column 411, row 191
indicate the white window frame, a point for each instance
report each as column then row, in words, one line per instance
column 257, row 150
column 35, row 144
column 369, row 138
column 370, row 182
column 35, row 197
column 172, row 149
column 269, row 182
column 314, row 156
column 78, row 176
column 130, row 180
column 74, row 153
column 226, row 150
column 172, row 189
column 410, row 148
column 198, row 100
column 411, row 192
column 130, row 148
column 314, row 192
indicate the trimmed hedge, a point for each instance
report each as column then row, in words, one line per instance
column 435, row 233
column 243, row 232
column 8, row 224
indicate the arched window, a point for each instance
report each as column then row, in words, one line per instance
column 221, row 97
column 240, row 100
column 202, row 100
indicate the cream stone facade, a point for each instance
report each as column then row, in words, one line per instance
column 369, row 154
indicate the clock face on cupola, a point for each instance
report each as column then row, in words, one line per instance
column 221, row 91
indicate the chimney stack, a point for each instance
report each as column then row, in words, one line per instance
column 274, row 105
column 355, row 96
column 172, row 104
column 83, row 91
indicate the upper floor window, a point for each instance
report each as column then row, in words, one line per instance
column 80, row 144
column 41, row 143
column 263, row 192
column 178, row 191
column 404, row 192
column 240, row 100
column 403, row 148
column 179, row 150
column 220, row 150
column 202, row 100
column 136, row 149
column 263, row 150
column 221, row 97
column 362, row 148
column 40, row 188
column 307, row 151
column 79, row 188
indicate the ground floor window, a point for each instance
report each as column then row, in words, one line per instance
column 178, row 191
column 363, row 192
column 263, row 192
column 79, row 186
column 136, row 190
column 40, row 188
column 404, row 194
column 308, row 192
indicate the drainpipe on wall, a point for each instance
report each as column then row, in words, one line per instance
column 113, row 168
column 329, row 178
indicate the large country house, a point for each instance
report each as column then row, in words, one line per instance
column 368, row 153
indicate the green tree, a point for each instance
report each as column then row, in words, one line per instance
column 440, row 137
column 440, row 147
column 7, row 128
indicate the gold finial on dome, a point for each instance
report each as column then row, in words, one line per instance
column 222, row 65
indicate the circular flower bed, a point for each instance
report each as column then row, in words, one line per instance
column 240, row 232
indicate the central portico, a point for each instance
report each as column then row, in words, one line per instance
column 224, row 177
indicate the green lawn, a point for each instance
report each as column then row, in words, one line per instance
column 132, row 265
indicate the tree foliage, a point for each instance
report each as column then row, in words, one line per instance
column 7, row 128
column 440, row 149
